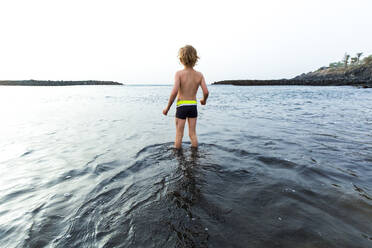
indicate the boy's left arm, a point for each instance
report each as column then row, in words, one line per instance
column 173, row 93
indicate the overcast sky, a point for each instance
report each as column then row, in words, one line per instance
column 137, row 41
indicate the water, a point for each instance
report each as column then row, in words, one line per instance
column 93, row 166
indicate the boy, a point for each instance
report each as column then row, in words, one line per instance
column 186, row 84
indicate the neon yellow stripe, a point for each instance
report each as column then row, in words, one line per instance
column 186, row 102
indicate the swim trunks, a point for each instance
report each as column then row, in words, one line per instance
column 186, row 109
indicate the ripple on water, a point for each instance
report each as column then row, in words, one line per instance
column 202, row 198
column 267, row 175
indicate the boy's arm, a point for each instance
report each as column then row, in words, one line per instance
column 203, row 85
column 174, row 93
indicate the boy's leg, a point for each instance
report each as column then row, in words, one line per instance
column 180, row 126
column 192, row 132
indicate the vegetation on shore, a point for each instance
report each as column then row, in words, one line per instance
column 349, row 61
column 350, row 71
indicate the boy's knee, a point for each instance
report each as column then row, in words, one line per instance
column 179, row 136
column 192, row 135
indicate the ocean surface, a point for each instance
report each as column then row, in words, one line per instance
column 277, row 166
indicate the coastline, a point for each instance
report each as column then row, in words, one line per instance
column 357, row 74
column 298, row 82
column 54, row 83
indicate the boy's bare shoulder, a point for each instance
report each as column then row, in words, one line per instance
column 198, row 74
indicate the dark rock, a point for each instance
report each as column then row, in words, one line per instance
column 33, row 82
column 356, row 76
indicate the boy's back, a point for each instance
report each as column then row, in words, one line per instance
column 189, row 84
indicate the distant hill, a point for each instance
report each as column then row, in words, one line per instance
column 55, row 83
column 357, row 74
column 362, row 72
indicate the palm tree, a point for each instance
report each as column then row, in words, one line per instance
column 346, row 59
column 358, row 56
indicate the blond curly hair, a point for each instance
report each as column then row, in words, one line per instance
column 188, row 56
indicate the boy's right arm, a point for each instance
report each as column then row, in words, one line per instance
column 174, row 93
column 203, row 85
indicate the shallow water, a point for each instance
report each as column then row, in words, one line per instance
column 93, row 166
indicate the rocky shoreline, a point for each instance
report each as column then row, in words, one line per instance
column 54, row 83
column 299, row 82
column 357, row 75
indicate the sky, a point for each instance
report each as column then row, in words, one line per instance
column 138, row 41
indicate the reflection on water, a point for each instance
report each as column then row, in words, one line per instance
column 276, row 167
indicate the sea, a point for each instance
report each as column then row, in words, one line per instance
column 276, row 166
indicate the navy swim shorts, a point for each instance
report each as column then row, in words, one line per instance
column 186, row 111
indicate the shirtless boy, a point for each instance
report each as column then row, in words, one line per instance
column 186, row 84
